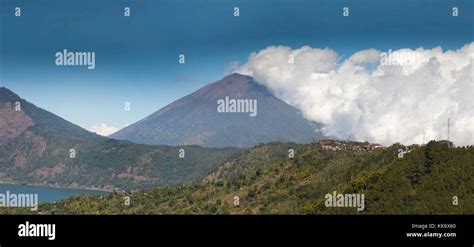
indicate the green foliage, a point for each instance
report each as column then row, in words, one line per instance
column 109, row 164
column 266, row 181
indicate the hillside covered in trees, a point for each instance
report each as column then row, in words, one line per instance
column 39, row 147
column 264, row 180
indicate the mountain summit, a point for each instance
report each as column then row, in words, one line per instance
column 234, row 111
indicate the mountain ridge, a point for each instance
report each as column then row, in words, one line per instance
column 41, row 117
column 39, row 147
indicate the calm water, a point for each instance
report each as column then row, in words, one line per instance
column 47, row 194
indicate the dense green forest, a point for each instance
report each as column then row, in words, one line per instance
column 110, row 164
column 264, row 180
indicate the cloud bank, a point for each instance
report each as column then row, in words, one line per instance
column 103, row 129
column 376, row 96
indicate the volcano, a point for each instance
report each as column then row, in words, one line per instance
column 251, row 115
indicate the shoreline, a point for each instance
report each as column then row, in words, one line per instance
column 53, row 186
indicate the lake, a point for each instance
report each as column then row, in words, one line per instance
column 47, row 194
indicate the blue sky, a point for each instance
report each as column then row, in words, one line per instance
column 137, row 56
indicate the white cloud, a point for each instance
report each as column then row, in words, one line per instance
column 103, row 129
column 367, row 98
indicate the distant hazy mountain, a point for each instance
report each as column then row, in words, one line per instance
column 36, row 147
column 194, row 119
